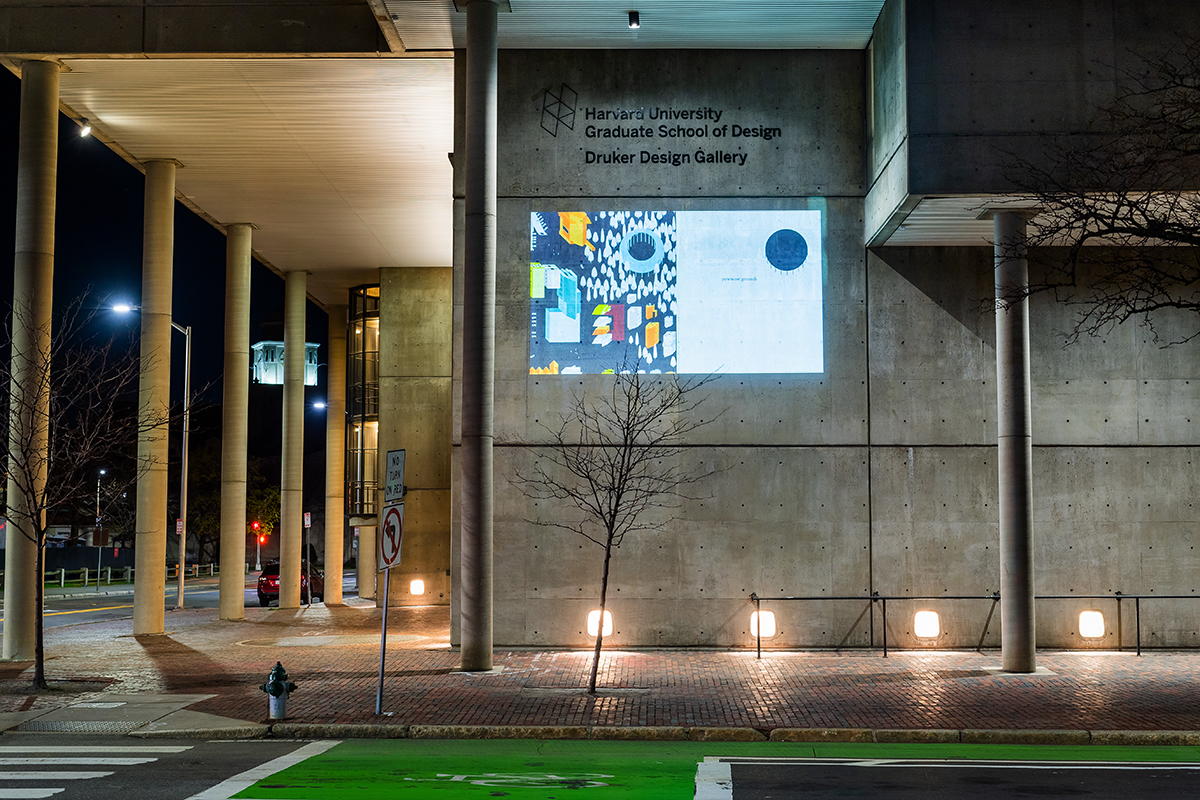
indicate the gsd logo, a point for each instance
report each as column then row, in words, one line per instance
column 559, row 109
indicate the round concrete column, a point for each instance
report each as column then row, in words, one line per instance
column 1018, row 644
column 291, row 489
column 158, row 250
column 33, row 283
column 479, row 317
column 335, row 455
column 235, row 411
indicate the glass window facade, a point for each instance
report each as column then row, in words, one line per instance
column 362, row 401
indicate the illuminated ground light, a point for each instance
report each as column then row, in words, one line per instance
column 416, row 587
column 768, row 623
column 594, row 622
column 927, row 625
column 1091, row 625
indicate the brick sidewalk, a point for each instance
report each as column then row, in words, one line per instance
column 333, row 654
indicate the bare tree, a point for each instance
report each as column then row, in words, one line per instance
column 615, row 458
column 75, row 409
column 1121, row 204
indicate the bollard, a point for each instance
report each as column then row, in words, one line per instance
column 62, row 578
column 129, row 575
column 278, row 687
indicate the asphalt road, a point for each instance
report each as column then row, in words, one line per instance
column 915, row 780
column 102, row 607
column 40, row 765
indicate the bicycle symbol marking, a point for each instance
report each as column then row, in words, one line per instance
column 535, row 780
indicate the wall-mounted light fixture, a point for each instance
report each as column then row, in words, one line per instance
column 1091, row 624
column 85, row 127
column 635, row 20
column 927, row 625
column 593, row 623
column 765, row 620
column 417, row 587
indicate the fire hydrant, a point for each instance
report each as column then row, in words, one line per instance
column 278, row 687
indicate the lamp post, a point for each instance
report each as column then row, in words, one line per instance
column 96, row 534
column 181, row 523
column 102, row 472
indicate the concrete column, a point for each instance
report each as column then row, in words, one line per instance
column 416, row 326
column 235, row 413
column 335, row 455
column 1018, row 644
column 365, row 571
column 154, row 398
column 291, row 488
column 33, row 284
column 479, row 317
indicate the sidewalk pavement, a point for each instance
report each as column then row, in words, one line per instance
column 202, row 678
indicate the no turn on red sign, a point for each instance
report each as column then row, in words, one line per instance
column 391, row 534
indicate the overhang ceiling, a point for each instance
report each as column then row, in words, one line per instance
column 604, row 24
column 342, row 162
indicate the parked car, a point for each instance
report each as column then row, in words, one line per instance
column 268, row 584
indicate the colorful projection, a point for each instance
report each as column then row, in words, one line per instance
column 676, row 291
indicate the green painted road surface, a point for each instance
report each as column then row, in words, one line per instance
column 598, row 770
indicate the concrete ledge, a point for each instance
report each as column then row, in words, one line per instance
column 726, row 735
column 647, row 734
column 1026, row 737
column 1159, row 738
column 821, row 735
column 918, row 736
column 301, row 730
column 497, row 732
column 248, row 731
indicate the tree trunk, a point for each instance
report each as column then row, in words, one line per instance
column 39, row 646
column 600, row 625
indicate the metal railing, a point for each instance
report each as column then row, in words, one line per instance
column 882, row 600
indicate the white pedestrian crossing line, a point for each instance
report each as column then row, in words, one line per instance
column 132, row 748
column 231, row 786
column 64, row 761
column 48, row 775
column 48, row 755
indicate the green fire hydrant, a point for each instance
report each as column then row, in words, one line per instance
column 278, row 687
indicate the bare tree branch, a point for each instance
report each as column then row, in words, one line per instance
column 615, row 458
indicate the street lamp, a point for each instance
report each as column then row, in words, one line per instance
column 181, row 523
column 102, row 472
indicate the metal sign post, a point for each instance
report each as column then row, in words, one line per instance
column 308, row 554
column 389, row 538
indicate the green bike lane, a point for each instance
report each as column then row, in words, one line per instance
column 607, row 770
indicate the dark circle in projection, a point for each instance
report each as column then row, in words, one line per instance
column 786, row 250
column 642, row 251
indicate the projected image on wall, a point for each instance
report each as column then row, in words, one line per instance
column 676, row 291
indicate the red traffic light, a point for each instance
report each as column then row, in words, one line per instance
column 262, row 540
column 254, row 525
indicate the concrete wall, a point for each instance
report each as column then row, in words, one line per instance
column 879, row 474
column 415, row 335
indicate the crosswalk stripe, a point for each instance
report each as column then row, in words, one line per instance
column 60, row 761
column 231, row 786
column 52, row 776
column 132, row 748
column 28, row 794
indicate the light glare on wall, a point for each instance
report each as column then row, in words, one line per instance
column 927, row 625
column 593, row 624
column 1091, row 625
column 416, row 587
column 768, row 623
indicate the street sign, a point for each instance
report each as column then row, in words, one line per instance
column 307, row 519
column 393, row 487
column 391, row 534
column 179, row 527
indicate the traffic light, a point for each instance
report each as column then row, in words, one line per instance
column 254, row 526
column 262, row 539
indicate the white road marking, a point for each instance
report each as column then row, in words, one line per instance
column 124, row 748
column 227, row 788
column 60, row 761
column 28, row 794
column 52, row 776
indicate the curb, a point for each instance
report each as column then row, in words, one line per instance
column 302, row 730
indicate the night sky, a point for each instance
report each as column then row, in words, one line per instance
column 98, row 249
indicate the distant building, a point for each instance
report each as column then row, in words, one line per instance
column 268, row 362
